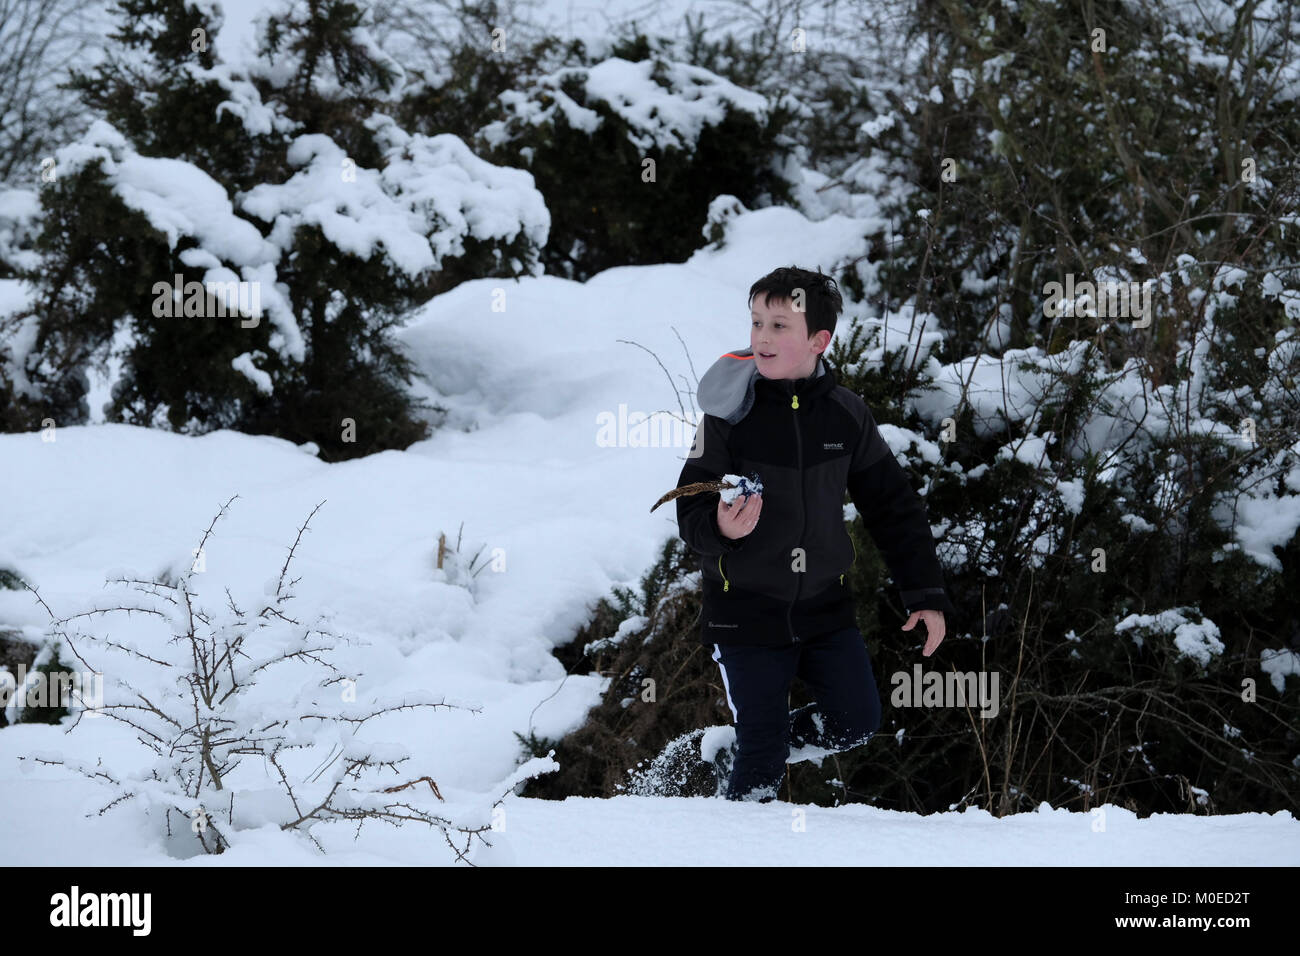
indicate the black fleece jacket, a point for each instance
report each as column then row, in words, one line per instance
column 809, row 441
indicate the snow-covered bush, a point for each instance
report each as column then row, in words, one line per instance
column 651, row 140
column 1115, row 496
column 1124, row 545
column 301, row 220
column 243, row 718
column 19, row 224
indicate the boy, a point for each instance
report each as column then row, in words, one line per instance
column 775, row 600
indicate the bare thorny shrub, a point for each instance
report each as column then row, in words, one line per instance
column 230, row 684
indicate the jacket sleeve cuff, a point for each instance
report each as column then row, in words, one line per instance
column 929, row 599
column 727, row 544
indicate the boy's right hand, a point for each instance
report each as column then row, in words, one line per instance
column 737, row 519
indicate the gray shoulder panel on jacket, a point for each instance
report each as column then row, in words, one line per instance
column 852, row 402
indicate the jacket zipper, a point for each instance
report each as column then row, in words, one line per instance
column 726, row 585
column 803, row 517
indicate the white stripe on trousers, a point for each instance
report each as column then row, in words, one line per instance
column 717, row 656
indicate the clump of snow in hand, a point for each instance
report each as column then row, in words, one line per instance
column 741, row 486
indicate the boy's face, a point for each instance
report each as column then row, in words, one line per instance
column 778, row 334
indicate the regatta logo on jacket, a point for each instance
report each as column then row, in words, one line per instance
column 810, row 441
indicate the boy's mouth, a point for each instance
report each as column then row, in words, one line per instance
column 766, row 354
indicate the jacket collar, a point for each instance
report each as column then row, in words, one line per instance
column 728, row 388
column 822, row 380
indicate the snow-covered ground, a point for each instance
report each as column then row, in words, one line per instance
column 541, row 463
column 525, row 464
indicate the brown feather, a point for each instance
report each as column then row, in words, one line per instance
column 695, row 488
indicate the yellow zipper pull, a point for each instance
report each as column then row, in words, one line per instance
column 794, row 403
column 726, row 585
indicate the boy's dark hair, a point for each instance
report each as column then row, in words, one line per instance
column 821, row 298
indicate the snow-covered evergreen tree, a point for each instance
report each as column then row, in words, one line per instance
column 283, row 181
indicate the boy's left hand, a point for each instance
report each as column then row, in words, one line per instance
column 934, row 628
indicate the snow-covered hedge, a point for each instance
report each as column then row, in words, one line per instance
column 230, row 244
column 652, row 142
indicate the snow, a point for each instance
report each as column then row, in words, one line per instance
column 667, row 115
column 176, row 197
column 519, row 465
column 19, row 219
column 1072, row 496
column 682, row 831
column 1266, row 522
column 243, row 363
column 1278, row 664
column 1198, row 640
column 693, row 98
column 528, row 369
column 431, row 194
column 740, row 485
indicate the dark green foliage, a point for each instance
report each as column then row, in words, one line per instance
column 58, row 679
column 1087, row 716
column 616, row 218
column 477, row 78
column 1102, row 154
column 766, row 61
column 535, row 746
column 159, row 106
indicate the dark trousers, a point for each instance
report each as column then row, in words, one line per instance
column 845, row 711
